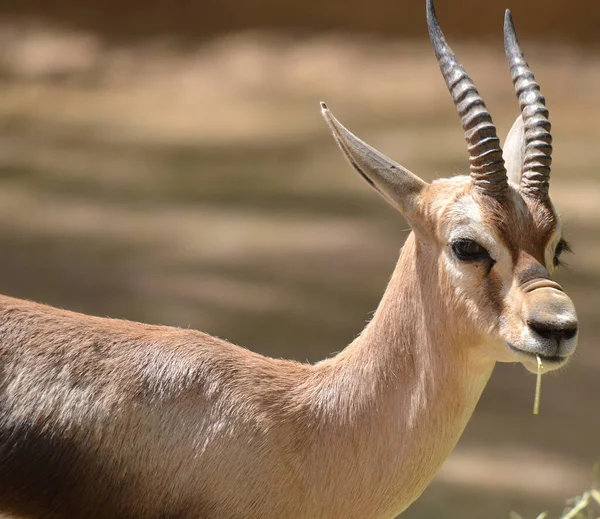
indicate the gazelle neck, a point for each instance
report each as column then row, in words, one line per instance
column 403, row 391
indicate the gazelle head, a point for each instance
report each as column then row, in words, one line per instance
column 494, row 235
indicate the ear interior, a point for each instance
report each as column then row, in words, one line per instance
column 396, row 184
column 514, row 151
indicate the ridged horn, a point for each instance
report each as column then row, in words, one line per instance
column 537, row 160
column 488, row 172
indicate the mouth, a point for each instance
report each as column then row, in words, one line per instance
column 547, row 360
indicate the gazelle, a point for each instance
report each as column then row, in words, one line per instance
column 103, row 418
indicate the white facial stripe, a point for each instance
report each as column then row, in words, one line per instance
column 467, row 220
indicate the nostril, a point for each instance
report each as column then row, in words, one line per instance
column 569, row 333
column 542, row 329
column 548, row 331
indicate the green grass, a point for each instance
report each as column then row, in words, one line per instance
column 584, row 506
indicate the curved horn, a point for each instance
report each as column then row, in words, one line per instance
column 538, row 139
column 488, row 173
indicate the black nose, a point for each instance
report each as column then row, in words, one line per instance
column 548, row 331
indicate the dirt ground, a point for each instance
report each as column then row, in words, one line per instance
column 201, row 188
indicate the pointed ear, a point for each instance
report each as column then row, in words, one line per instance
column 514, row 151
column 397, row 185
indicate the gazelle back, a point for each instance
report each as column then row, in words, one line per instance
column 103, row 418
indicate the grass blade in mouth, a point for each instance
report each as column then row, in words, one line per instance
column 538, row 386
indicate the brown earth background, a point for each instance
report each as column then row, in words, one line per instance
column 166, row 162
column 551, row 20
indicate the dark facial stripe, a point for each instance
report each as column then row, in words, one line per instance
column 532, row 272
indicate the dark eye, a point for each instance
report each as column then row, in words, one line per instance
column 469, row 250
column 562, row 246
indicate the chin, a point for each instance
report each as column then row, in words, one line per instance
column 528, row 358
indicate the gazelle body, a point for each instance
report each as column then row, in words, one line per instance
column 102, row 418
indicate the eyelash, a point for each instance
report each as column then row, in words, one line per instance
column 562, row 247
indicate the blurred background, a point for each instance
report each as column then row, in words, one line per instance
column 165, row 161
